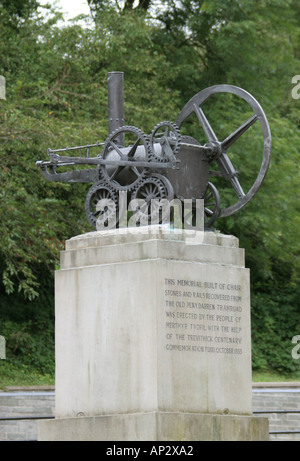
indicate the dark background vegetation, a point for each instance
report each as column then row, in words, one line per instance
column 56, row 96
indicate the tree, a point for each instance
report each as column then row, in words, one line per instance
column 57, row 96
column 19, row 8
column 97, row 6
column 15, row 11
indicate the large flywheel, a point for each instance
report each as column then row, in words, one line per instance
column 219, row 150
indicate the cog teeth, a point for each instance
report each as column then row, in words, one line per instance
column 102, row 169
column 93, row 194
column 175, row 146
column 164, row 190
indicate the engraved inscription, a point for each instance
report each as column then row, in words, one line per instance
column 203, row 316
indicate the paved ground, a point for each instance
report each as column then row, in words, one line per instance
column 280, row 402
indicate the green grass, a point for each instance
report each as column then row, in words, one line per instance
column 272, row 376
column 22, row 375
column 12, row 374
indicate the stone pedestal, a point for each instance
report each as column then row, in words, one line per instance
column 153, row 338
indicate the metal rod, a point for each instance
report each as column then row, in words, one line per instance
column 23, row 418
column 64, row 161
column 66, row 149
column 276, row 411
column 196, row 147
column 115, row 82
column 285, row 432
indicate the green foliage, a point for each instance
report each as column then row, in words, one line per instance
column 18, row 374
column 56, row 90
column 16, row 10
column 57, row 96
column 275, row 317
column 30, row 344
column 98, row 6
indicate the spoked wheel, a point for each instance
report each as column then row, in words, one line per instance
column 102, row 207
column 151, row 200
column 211, row 205
column 135, row 145
column 218, row 149
column 191, row 215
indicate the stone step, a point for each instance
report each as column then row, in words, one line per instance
column 24, row 403
column 279, row 402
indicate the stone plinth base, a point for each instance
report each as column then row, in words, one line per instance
column 153, row 338
column 156, row 426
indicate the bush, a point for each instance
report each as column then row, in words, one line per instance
column 30, row 344
column 275, row 316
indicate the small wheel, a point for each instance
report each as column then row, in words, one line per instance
column 165, row 142
column 152, row 194
column 135, row 146
column 102, row 207
column 211, row 205
column 211, row 209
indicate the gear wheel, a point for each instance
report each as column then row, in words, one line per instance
column 128, row 144
column 102, row 206
column 165, row 142
column 211, row 208
column 150, row 193
column 211, row 205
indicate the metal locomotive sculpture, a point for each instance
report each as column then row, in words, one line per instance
column 162, row 165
